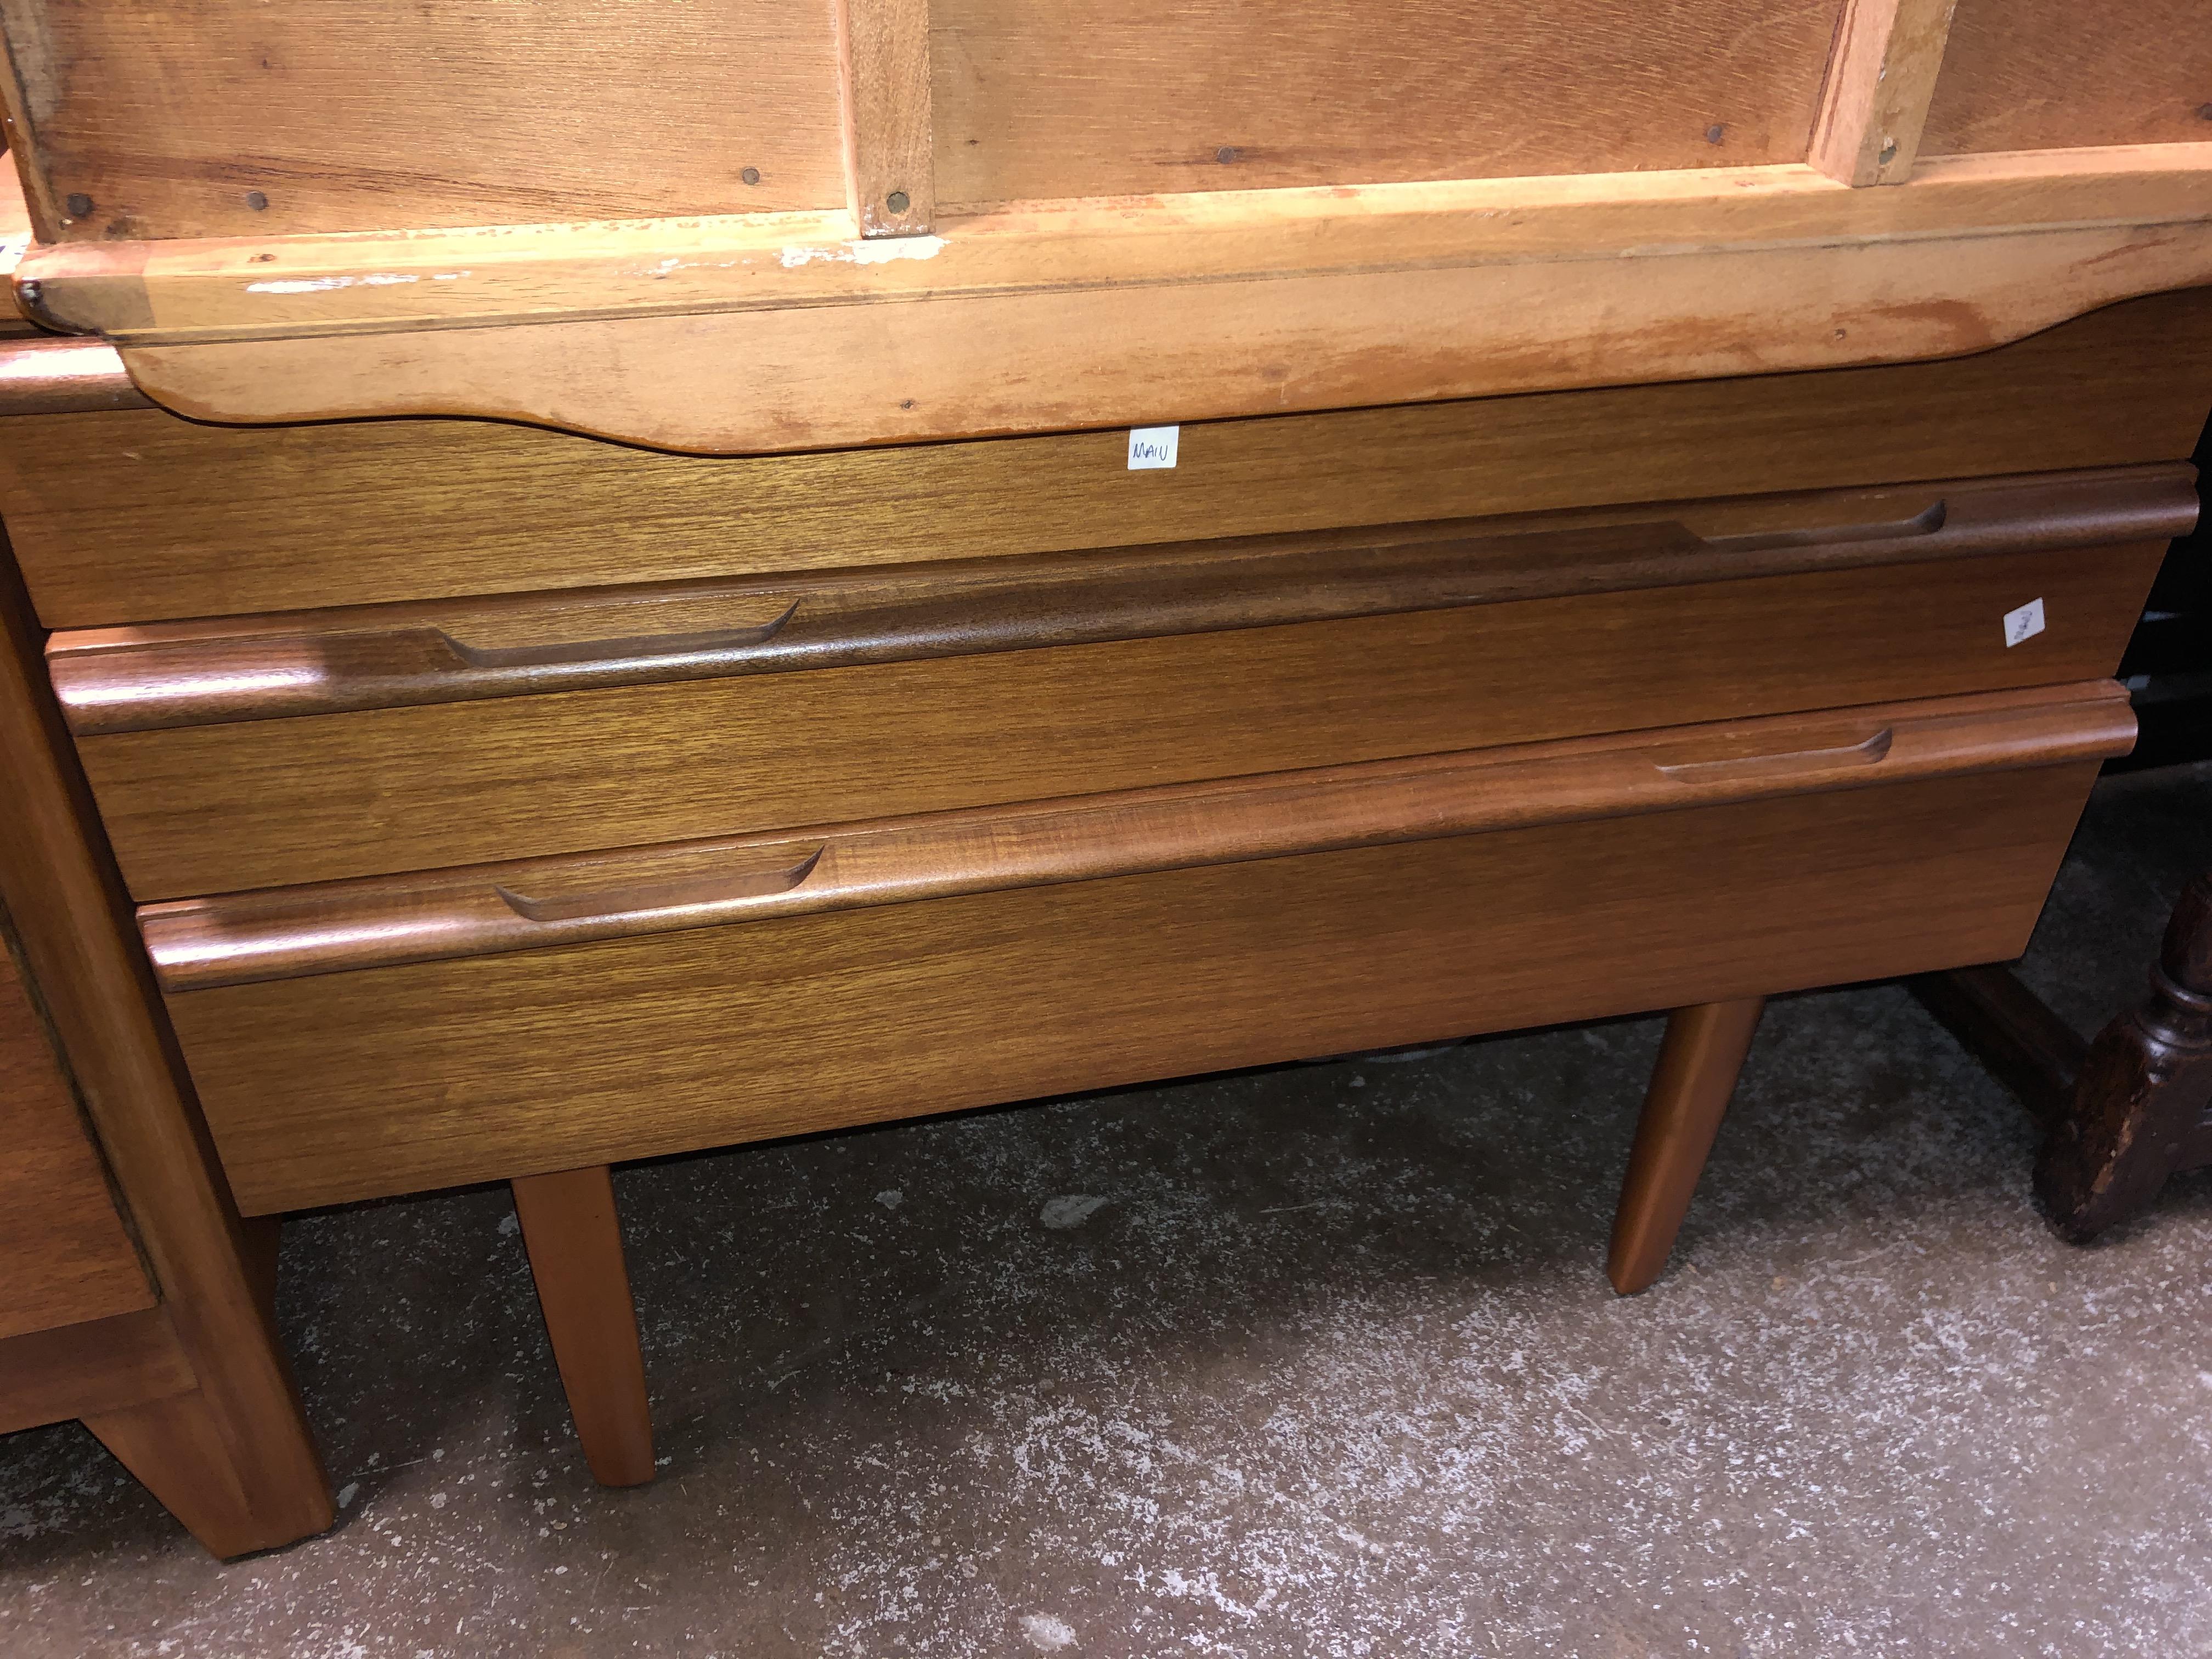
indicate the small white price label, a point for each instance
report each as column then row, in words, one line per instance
column 1153, row 445
column 2023, row 624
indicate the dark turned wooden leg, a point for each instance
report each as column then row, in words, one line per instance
column 175, row 1448
column 575, row 1240
column 2138, row 1109
column 1690, row 1090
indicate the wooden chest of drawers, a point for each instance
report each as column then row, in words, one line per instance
column 501, row 803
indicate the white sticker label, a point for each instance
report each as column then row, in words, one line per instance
column 1151, row 446
column 2020, row 625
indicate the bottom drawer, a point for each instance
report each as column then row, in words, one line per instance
column 656, row 1035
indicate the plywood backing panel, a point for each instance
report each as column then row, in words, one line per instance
column 2060, row 75
column 1097, row 98
column 137, row 515
column 176, row 117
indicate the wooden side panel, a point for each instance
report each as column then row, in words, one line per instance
column 137, row 516
column 216, row 809
column 214, row 117
column 2059, row 74
column 1095, row 97
column 450, row 1072
column 63, row 1255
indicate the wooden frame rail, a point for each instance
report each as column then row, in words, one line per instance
column 336, row 927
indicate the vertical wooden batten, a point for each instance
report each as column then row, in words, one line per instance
column 1881, row 80
column 890, row 149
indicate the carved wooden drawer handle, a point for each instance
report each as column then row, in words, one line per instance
column 384, row 656
column 335, row 926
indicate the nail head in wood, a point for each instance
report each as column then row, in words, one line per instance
column 258, row 201
column 897, row 201
column 78, row 203
column 750, row 175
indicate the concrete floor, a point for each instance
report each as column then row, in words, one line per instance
column 1313, row 1361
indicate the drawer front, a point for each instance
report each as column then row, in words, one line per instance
column 64, row 1257
column 273, row 802
column 340, row 1086
column 132, row 516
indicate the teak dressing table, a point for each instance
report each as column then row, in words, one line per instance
column 580, row 656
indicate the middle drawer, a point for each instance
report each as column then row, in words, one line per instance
column 321, row 745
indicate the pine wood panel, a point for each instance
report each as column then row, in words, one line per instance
column 487, row 1068
column 1071, row 354
column 135, row 515
column 1091, row 98
column 64, row 1257
column 215, row 809
column 173, row 117
column 2058, row 74
column 1881, row 77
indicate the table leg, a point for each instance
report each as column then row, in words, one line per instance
column 2138, row 1111
column 575, row 1240
column 1698, row 1061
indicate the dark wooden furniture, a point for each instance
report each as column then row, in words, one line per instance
column 133, row 1295
column 2122, row 1113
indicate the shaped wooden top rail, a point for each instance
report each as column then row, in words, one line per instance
column 524, row 904
column 207, row 672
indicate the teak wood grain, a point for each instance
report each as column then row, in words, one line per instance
column 335, row 661
column 89, row 1367
column 216, row 808
column 168, row 119
column 532, row 904
column 1698, row 1060
column 1887, row 58
column 138, row 516
column 486, row 1067
column 2025, row 75
column 1088, row 98
column 67, row 1256
column 574, row 1239
column 80, row 946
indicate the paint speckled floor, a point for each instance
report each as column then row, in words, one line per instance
column 1316, row 1361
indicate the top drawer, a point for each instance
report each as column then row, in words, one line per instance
column 319, row 745
column 137, row 515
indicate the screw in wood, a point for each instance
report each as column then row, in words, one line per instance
column 897, row 201
column 256, row 200
column 79, row 204
column 750, row 175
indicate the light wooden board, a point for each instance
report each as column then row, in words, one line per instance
column 1098, row 97
column 1887, row 58
column 2055, row 74
column 838, row 375
column 442, row 1072
column 137, row 516
column 166, row 115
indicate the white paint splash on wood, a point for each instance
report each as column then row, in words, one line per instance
column 876, row 252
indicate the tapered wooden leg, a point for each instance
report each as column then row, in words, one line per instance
column 1698, row 1066
column 2138, row 1109
column 175, row 1448
column 569, row 1222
